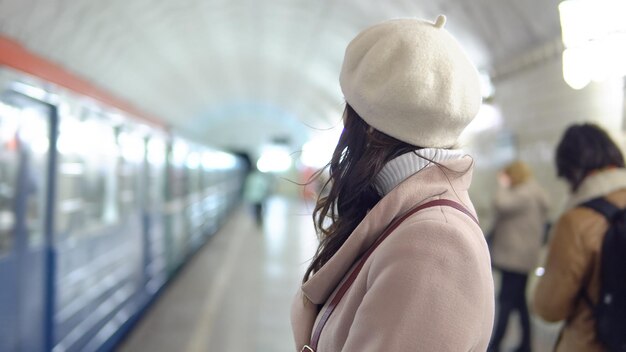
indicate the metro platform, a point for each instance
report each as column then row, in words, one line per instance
column 234, row 295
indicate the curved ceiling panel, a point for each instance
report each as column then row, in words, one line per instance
column 248, row 68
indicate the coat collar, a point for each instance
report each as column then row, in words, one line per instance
column 422, row 186
column 596, row 185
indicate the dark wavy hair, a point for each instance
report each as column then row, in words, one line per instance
column 359, row 156
column 583, row 149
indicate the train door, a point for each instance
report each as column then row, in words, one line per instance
column 24, row 148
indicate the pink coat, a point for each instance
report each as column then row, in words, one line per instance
column 427, row 287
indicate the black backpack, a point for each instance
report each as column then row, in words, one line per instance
column 610, row 311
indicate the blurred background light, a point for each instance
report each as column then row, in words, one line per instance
column 193, row 160
column 132, row 146
column 156, row 151
column 179, row 152
column 214, row 160
column 540, row 271
column 488, row 117
column 274, row 159
column 316, row 153
column 594, row 35
column 10, row 121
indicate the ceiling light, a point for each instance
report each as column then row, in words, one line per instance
column 594, row 35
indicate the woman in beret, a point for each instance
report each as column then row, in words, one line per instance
column 402, row 263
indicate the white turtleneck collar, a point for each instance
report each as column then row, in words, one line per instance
column 405, row 165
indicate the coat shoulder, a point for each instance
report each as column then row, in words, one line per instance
column 436, row 239
column 579, row 218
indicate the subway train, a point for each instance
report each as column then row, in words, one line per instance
column 98, row 210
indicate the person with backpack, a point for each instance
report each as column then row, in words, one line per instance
column 579, row 284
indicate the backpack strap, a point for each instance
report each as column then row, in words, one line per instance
column 609, row 211
column 602, row 206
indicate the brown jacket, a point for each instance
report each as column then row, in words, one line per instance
column 427, row 287
column 573, row 263
column 521, row 213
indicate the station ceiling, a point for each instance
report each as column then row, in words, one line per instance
column 243, row 73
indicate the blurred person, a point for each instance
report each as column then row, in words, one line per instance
column 593, row 166
column 256, row 190
column 520, row 207
column 402, row 264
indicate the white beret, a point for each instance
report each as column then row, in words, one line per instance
column 411, row 80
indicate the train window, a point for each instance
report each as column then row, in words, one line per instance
column 178, row 181
column 193, row 164
column 8, row 174
column 87, row 176
column 156, row 172
column 34, row 133
column 132, row 151
column 24, row 147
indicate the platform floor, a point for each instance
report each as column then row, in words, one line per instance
column 236, row 292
